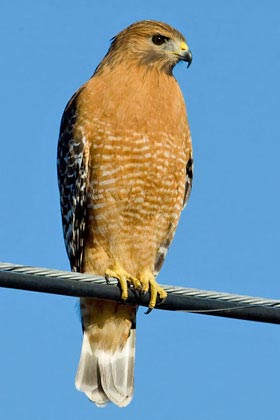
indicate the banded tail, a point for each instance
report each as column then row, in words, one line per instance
column 106, row 368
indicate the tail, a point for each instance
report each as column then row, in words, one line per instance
column 106, row 368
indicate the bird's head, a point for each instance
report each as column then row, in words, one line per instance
column 150, row 43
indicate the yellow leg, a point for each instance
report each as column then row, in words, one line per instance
column 123, row 277
column 148, row 283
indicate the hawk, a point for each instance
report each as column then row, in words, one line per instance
column 125, row 174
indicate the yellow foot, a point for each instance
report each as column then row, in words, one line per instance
column 123, row 277
column 148, row 283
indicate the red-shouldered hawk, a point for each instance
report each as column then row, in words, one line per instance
column 125, row 173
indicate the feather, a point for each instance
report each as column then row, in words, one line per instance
column 88, row 375
column 106, row 368
column 117, row 372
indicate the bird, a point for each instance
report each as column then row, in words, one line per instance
column 125, row 170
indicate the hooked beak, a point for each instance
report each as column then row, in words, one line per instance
column 186, row 56
column 184, row 53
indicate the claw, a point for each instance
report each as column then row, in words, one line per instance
column 145, row 283
column 148, row 282
column 162, row 299
column 124, row 278
column 148, row 311
column 107, row 278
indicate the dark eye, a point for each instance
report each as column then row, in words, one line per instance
column 159, row 39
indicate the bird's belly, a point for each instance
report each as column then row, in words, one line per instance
column 134, row 199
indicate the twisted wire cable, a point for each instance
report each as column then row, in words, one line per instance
column 179, row 298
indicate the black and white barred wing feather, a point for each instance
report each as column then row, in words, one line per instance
column 189, row 180
column 72, row 170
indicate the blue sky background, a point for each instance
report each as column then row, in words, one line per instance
column 187, row 366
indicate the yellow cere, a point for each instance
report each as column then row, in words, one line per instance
column 183, row 46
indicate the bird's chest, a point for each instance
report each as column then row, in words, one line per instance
column 136, row 172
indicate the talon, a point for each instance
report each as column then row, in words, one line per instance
column 148, row 311
column 145, row 283
column 125, row 280
column 149, row 282
column 107, row 278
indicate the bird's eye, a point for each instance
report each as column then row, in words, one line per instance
column 159, row 39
